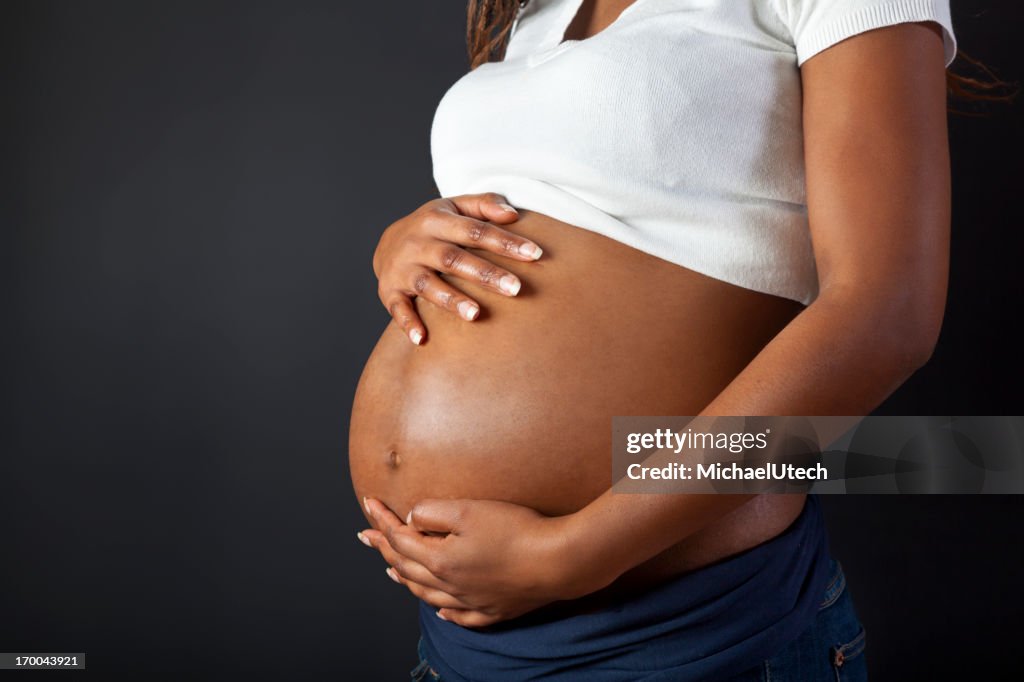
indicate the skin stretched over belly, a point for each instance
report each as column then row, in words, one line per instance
column 517, row 405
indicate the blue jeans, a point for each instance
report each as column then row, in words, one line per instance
column 830, row 650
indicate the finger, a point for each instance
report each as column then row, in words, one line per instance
column 381, row 513
column 453, row 260
column 428, row 285
column 487, row 206
column 466, row 618
column 403, row 312
column 438, row 516
column 406, row 567
column 425, row 549
column 478, row 234
column 406, row 541
column 436, row 598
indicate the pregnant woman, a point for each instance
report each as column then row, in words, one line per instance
column 720, row 208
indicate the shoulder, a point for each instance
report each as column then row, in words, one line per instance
column 816, row 25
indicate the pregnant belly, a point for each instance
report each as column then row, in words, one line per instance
column 517, row 405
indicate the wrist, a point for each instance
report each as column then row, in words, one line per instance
column 582, row 559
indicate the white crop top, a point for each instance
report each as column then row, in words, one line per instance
column 676, row 130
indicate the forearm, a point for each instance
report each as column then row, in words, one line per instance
column 843, row 355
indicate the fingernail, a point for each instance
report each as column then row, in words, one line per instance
column 468, row 310
column 438, row 612
column 416, row 336
column 363, row 539
column 408, row 518
column 366, row 506
column 507, row 209
column 531, row 251
column 509, row 284
column 391, row 574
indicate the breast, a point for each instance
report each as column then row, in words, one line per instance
column 517, row 405
column 677, row 129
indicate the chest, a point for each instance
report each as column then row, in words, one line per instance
column 704, row 81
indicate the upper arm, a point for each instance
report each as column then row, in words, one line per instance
column 878, row 169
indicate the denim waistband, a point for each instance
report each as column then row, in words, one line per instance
column 713, row 622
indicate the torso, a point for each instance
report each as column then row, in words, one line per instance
column 517, row 405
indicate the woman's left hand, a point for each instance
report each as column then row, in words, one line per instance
column 481, row 561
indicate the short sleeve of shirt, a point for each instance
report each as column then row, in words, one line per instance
column 818, row 24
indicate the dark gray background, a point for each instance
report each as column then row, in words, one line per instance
column 191, row 192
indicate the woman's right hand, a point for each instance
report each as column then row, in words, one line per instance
column 414, row 250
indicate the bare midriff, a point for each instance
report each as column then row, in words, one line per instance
column 517, row 405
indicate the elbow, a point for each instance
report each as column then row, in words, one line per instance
column 900, row 326
column 918, row 349
column 912, row 335
column 918, row 319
